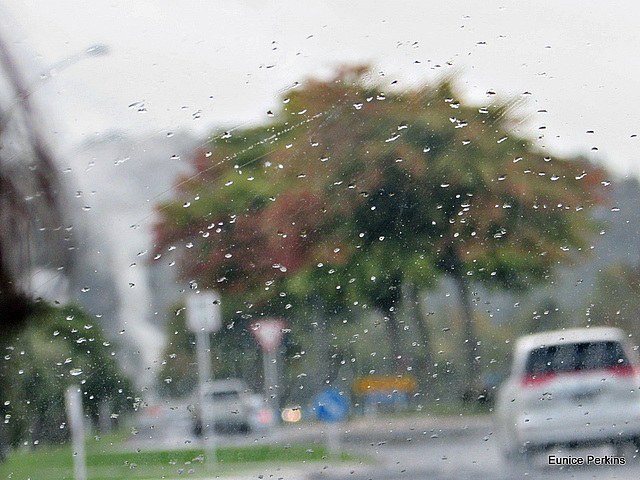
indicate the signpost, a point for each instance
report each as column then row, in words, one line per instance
column 75, row 416
column 204, row 317
column 332, row 408
column 203, row 311
column 268, row 333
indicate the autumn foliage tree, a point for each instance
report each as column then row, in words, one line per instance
column 357, row 188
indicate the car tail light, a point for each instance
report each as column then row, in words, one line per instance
column 265, row 416
column 537, row 379
column 623, row 370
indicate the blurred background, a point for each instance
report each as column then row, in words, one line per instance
column 406, row 189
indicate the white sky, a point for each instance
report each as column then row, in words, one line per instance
column 225, row 62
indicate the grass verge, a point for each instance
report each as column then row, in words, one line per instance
column 110, row 463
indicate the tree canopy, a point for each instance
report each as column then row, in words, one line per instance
column 357, row 187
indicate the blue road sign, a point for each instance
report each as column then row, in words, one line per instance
column 331, row 407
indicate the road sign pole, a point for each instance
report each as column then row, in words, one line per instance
column 207, row 417
column 75, row 416
column 268, row 333
column 271, row 388
column 204, row 317
column 334, row 442
column 332, row 407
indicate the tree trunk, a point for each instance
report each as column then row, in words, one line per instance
column 320, row 338
column 470, row 341
column 395, row 341
column 387, row 303
column 451, row 262
column 425, row 359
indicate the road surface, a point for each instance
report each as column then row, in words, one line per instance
column 466, row 454
column 411, row 448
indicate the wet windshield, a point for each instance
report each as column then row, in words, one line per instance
column 301, row 240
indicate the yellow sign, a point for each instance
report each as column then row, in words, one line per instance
column 382, row 383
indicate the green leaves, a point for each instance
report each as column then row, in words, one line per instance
column 57, row 348
column 372, row 182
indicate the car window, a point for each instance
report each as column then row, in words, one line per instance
column 224, row 395
column 577, row 356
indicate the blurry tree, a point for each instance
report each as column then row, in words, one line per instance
column 57, row 348
column 357, row 188
column 30, row 209
column 616, row 299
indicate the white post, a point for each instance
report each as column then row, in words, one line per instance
column 334, row 441
column 271, row 388
column 268, row 333
column 207, row 416
column 204, row 317
column 75, row 416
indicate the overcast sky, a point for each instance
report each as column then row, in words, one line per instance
column 196, row 63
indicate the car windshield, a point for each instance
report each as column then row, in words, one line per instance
column 227, row 395
column 302, row 239
column 570, row 357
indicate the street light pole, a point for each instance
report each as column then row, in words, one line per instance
column 23, row 92
column 43, row 175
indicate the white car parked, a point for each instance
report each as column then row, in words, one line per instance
column 233, row 407
column 570, row 388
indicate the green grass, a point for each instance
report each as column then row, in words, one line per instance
column 109, row 462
